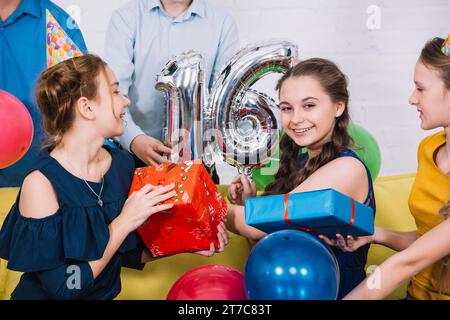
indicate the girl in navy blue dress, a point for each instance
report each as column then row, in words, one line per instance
column 72, row 227
column 314, row 114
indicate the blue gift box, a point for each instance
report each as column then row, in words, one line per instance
column 321, row 211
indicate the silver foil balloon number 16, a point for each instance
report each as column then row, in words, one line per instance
column 234, row 123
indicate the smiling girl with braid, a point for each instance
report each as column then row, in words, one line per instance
column 314, row 114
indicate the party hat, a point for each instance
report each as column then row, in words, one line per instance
column 446, row 46
column 59, row 45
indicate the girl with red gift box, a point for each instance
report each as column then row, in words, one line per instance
column 314, row 114
column 72, row 227
column 425, row 252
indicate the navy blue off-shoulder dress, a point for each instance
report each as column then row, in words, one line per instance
column 53, row 252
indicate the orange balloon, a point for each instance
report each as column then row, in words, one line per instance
column 16, row 129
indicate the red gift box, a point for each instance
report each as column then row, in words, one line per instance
column 191, row 224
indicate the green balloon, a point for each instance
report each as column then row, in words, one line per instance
column 365, row 146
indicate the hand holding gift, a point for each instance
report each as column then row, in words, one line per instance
column 222, row 236
column 240, row 189
column 348, row 244
column 142, row 204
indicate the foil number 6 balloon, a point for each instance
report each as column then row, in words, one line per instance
column 236, row 123
column 246, row 127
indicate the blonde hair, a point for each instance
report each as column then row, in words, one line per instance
column 60, row 87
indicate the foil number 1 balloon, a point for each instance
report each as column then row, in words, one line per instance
column 183, row 84
column 236, row 122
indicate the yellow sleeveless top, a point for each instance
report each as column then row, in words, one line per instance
column 431, row 190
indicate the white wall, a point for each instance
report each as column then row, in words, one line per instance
column 378, row 60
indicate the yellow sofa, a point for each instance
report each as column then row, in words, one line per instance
column 156, row 279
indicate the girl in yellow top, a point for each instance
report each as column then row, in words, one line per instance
column 425, row 252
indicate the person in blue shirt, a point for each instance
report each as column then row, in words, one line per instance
column 143, row 35
column 73, row 225
column 22, row 59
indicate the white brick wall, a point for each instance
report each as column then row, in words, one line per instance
column 379, row 63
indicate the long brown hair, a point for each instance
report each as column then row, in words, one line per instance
column 434, row 58
column 290, row 174
column 60, row 87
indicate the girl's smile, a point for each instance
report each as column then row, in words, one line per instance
column 302, row 131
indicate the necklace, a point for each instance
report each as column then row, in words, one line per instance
column 100, row 201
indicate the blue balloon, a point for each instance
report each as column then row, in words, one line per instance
column 291, row 265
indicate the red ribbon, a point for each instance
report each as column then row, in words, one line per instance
column 316, row 231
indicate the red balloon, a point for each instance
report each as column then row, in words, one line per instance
column 209, row 282
column 16, row 129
